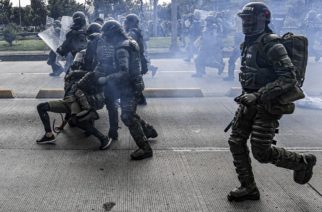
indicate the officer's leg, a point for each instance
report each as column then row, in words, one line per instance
column 240, row 152
column 200, row 65
column 232, row 64
column 263, row 133
column 90, row 129
column 148, row 129
column 132, row 121
column 142, row 99
column 113, row 116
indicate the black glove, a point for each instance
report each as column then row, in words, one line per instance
column 249, row 99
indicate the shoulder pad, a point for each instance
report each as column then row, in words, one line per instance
column 267, row 38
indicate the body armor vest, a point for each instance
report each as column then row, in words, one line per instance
column 134, row 60
column 105, row 57
column 256, row 71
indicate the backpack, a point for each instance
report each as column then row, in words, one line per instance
column 297, row 49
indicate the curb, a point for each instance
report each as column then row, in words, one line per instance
column 6, row 94
column 50, row 93
column 149, row 92
column 234, row 91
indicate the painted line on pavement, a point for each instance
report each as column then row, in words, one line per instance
column 223, row 149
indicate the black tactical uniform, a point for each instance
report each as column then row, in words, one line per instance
column 131, row 25
column 76, row 37
column 265, row 76
column 126, row 79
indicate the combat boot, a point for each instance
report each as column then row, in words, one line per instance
column 243, row 193
column 144, row 150
column 113, row 134
column 149, row 131
column 304, row 174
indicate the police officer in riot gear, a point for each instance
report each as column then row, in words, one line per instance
column 131, row 25
column 93, row 33
column 76, row 37
column 127, row 79
column 52, row 57
column 210, row 50
column 265, row 77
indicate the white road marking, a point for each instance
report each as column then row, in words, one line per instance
column 223, row 149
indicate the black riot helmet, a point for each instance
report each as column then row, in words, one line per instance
column 79, row 19
column 112, row 29
column 99, row 20
column 255, row 18
column 93, row 28
column 131, row 21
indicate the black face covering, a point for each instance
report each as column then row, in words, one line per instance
column 252, row 25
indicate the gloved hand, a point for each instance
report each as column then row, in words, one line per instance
column 249, row 98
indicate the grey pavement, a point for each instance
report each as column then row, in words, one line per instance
column 191, row 170
column 192, row 167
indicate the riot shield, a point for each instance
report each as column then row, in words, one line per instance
column 51, row 38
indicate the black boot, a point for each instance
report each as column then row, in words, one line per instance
column 142, row 100
column 243, row 193
column 113, row 134
column 304, row 174
column 149, row 131
column 144, row 150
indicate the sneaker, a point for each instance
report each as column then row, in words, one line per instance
column 304, row 175
column 46, row 140
column 105, row 143
column 242, row 193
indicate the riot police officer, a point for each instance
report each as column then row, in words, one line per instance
column 267, row 74
column 57, row 68
column 76, row 37
column 127, row 79
column 131, row 26
column 210, row 50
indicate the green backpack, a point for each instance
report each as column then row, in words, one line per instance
column 297, row 49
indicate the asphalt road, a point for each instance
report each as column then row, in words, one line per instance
column 191, row 170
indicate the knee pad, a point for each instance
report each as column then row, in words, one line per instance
column 43, row 107
column 261, row 150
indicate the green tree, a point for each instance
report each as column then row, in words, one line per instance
column 39, row 12
column 10, row 33
column 5, row 11
column 59, row 8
